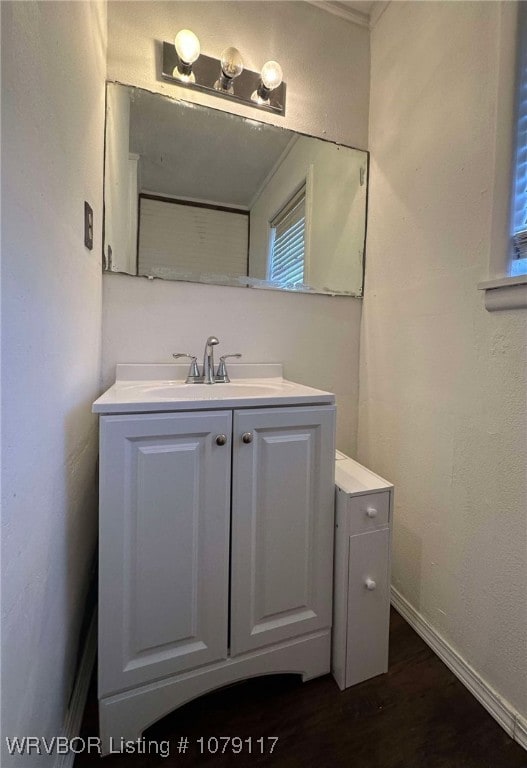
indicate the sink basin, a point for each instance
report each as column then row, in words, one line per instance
column 214, row 391
column 149, row 388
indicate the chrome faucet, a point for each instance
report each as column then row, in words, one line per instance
column 208, row 360
column 208, row 376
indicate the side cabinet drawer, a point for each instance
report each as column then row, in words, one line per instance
column 368, row 606
column 369, row 512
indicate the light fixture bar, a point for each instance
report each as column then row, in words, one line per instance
column 206, row 71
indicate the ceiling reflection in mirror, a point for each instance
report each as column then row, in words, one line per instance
column 197, row 194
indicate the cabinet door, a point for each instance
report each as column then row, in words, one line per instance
column 164, row 545
column 368, row 606
column 282, row 524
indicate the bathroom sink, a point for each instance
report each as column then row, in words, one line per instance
column 148, row 388
column 177, row 389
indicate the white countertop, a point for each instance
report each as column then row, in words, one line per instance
column 154, row 388
column 351, row 477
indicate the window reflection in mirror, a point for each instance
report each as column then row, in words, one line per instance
column 197, row 194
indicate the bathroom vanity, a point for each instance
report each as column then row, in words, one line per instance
column 216, row 536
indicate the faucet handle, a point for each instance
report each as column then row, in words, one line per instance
column 193, row 375
column 222, row 375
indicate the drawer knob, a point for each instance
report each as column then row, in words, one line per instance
column 221, row 439
column 371, row 512
column 247, row 437
column 370, row 584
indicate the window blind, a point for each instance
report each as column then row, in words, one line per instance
column 519, row 213
column 190, row 242
column 288, row 242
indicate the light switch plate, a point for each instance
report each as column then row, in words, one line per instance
column 88, row 226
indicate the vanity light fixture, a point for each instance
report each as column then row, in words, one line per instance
column 184, row 64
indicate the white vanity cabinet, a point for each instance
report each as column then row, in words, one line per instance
column 216, row 554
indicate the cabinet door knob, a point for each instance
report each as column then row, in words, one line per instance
column 371, row 512
column 370, row 584
column 247, row 437
column 221, row 439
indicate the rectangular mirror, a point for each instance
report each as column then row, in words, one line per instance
column 197, row 194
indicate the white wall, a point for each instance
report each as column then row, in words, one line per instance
column 325, row 59
column 316, row 337
column 443, row 381
column 145, row 321
column 53, row 71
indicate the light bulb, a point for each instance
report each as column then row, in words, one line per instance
column 270, row 78
column 271, row 75
column 231, row 62
column 188, row 50
column 187, row 46
column 231, row 67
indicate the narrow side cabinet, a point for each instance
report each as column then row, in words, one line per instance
column 363, row 524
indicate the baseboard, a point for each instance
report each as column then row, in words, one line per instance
column 520, row 732
column 500, row 709
column 72, row 724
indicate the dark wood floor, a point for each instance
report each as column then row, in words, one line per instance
column 416, row 716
